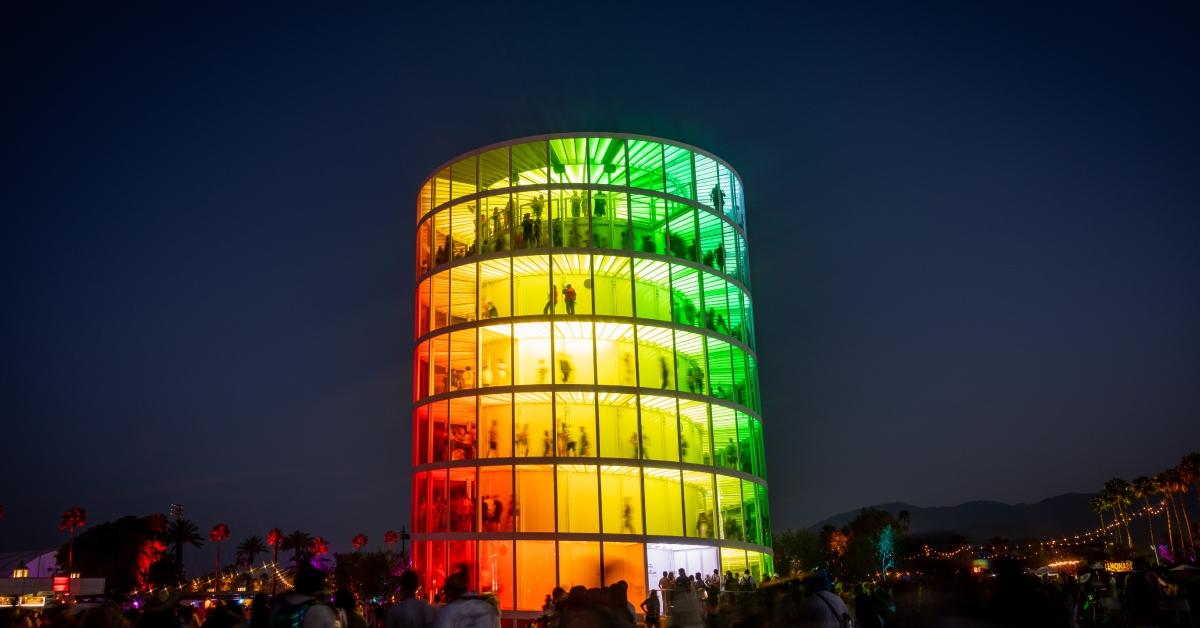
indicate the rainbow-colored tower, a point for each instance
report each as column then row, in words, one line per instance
column 585, row 383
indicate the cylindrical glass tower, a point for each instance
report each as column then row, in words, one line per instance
column 585, row 382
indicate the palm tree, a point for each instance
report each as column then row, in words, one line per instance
column 1098, row 506
column 1181, row 481
column 1192, row 461
column 1162, row 486
column 274, row 538
column 298, row 543
column 1143, row 487
column 250, row 548
column 180, row 534
column 219, row 533
column 359, row 541
column 73, row 519
column 1120, row 492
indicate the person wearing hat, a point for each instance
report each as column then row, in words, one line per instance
column 304, row 606
column 160, row 611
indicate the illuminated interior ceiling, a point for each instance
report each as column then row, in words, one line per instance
column 585, row 380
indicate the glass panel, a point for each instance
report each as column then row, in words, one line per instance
column 462, row 500
column 626, row 562
column 443, row 239
column 439, row 516
column 734, row 561
column 495, row 279
column 664, row 505
column 569, row 218
column 723, row 202
column 534, row 507
column 614, row 355
column 652, row 287
column 573, row 353
column 425, row 199
column 423, row 247
column 748, row 452
column 750, row 513
column 711, row 240
column 421, row 366
column 575, row 421
column 724, row 428
column 535, row 573
column 706, row 180
column 568, row 160
column 694, row 445
column 689, row 362
column 424, row 295
column 496, row 572
column 610, row 220
column 646, row 165
column 534, row 424
column 679, row 171
column 655, row 359
column 464, row 227
column 621, row 489
column 578, row 498
column 736, row 322
column 421, row 435
column 496, row 499
column 495, row 354
column 534, row 229
column 729, row 498
column 618, row 425
column 529, row 163
column 440, row 296
column 681, row 241
column 439, row 416
column 720, row 369
column 572, row 273
column 531, row 286
column 648, row 214
column 660, row 430
column 462, row 178
column 578, row 564
column 463, row 435
column 421, row 509
column 607, row 160
column 739, row 205
column 441, row 187
column 726, row 257
column 741, row 391
column 531, row 349
column 764, row 515
column 752, row 382
column 496, row 223
column 493, row 169
column 685, row 292
column 699, row 504
column 439, row 354
column 495, row 415
column 613, row 285
column 462, row 294
column 744, row 261
column 716, row 309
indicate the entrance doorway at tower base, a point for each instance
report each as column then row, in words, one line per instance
column 670, row 557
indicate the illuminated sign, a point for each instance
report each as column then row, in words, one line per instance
column 8, row 601
column 1119, row 566
column 62, row 584
column 33, row 601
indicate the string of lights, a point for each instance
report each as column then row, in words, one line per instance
column 196, row 584
column 1083, row 538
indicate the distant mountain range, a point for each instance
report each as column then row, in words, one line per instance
column 981, row 520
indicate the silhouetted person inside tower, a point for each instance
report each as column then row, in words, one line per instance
column 569, row 298
column 717, row 195
column 527, row 231
column 665, row 371
column 551, row 301
column 600, row 202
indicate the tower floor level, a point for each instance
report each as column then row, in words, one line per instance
column 586, row 402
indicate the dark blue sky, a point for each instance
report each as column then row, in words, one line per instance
column 974, row 238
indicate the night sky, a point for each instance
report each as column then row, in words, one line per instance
column 974, row 234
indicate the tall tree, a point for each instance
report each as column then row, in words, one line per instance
column 297, row 542
column 359, row 541
column 73, row 519
column 250, row 548
column 219, row 533
column 1143, row 487
column 885, row 549
column 1119, row 491
column 180, row 534
column 1162, row 486
column 1181, row 481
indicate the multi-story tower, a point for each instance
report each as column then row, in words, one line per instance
column 585, row 382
